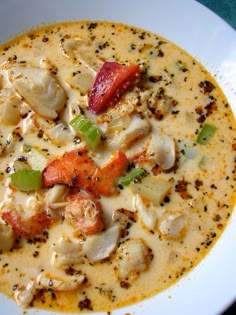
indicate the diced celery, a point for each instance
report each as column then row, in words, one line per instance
column 88, row 130
column 27, row 180
column 206, row 133
column 134, row 174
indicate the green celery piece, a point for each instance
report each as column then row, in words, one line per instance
column 87, row 129
column 206, row 133
column 27, row 180
column 134, row 174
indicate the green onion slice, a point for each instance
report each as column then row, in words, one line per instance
column 27, row 180
column 206, row 133
column 134, row 174
column 88, row 130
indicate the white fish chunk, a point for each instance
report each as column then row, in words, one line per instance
column 133, row 257
column 102, row 245
column 40, row 89
column 24, row 297
column 66, row 252
column 59, row 283
column 145, row 211
column 162, row 149
column 137, row 128
column 173, row 226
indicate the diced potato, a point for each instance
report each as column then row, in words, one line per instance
column 153, row 188
column 9, row 111
column 36, row 160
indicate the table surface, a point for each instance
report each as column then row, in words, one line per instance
column 226, row 9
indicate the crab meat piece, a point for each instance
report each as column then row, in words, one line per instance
column 66, row 252
column 146, row 211
column 7, row 236
column 58, row 283
column 162, row 149
column 40, row 89
column 102, row 245
column 124, row 217
column 138, row 128
column 9, row 107
column 173, row 226
column 133, row 257
column 55, row 197
column 24, row 296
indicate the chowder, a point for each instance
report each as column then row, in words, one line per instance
column 117, row 165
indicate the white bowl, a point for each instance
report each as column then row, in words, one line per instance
column 211, row 286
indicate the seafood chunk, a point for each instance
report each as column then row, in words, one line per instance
column 58, row 283
column 161, row 148
column 55, row 197
column 40, row 89
column 133, row 257
column 111, row 82
column 84, row 213
column 26, row 225
column 77, row 169
column 66, row 252
column 100, row 246
column 24, row 296
column 173, row 226
column 137, row 128
column 146, row 211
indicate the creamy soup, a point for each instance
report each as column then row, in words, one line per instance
column 117, row 166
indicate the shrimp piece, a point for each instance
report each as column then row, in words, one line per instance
column 27, row 227
column 84, row 213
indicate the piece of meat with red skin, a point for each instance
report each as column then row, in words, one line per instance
column 27, row 228
column 84, row 213
column 74, row 168
column 77, row 169
column 111, row 82
column 104, row 179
